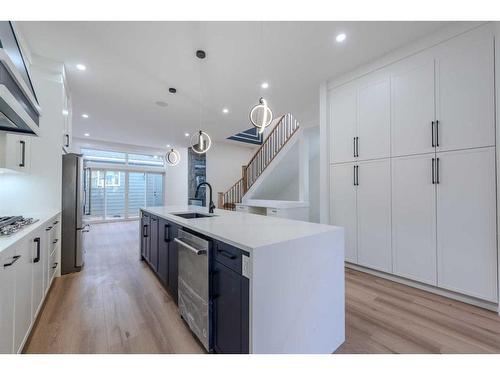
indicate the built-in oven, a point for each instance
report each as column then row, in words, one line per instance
column 193, row 284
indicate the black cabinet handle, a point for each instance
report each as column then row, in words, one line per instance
column 55, row 265
column 67, row 140
column 437, row 134
column 227, row 254
column 23, row 154
column 37, row 259
column 167, row 233
column 145, row 230
column 47, row 229
column 356, row 175
column 14, row 260
column 437, row 170
column 353, row 175
column 55, row 241
column 432, row 134
column 55, row 222
column 433, row 172
column 357, row 147
column 353, row 147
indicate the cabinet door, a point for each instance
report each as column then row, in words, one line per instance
column 465, row 92
column 18, row 156
column 227, row 310
column 37, row 259
column 414, row 218
column 412, row 106
column 173, row 262
column 343, row 107
column 374, row 119
column 8, row 284
column 374, row 215
column 466, row 222
column 343, row 206
column 163, row 247
column 143, row 229
column 23, row 269
column 153, row 243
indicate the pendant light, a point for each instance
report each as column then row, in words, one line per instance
column 200, row 142
column 261, row 115
column 172, row 157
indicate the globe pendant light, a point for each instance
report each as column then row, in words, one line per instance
column 261, row 115
column 172, row 157
column 200, row 142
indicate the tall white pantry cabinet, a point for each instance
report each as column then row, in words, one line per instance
column 412, row 167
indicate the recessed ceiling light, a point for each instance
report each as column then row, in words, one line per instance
column 340, row 38
column 168, row 146
column 264, row 85
column 225, row 110
column 87, row 135
column 65, row 112
column 186, row 134
column 160, row 103
column 85, row 115
column 201, row 54
column 155, row 156
column 81, row 67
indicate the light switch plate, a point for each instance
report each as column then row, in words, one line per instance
column 245, row 266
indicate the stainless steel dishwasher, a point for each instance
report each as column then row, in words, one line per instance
column 193, row 280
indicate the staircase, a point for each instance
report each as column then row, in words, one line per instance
column 282, row 132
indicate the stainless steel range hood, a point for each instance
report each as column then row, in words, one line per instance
column 19, row 109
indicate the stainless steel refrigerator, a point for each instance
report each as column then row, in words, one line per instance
column 72, row 251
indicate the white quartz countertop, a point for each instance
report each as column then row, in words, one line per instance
column 243, row 230
column 8, row 241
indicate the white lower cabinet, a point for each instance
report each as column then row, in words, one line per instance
column 7, row 287
column 414, row 218
column 361, row 203
column 25, row 275
column 22, row 308
column 466, row 222
column 374, row 214
column 343, row 206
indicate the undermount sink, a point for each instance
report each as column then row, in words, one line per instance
column 192, row 215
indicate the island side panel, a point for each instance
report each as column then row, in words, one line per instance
column 297, row 295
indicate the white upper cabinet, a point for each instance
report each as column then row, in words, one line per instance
column 374, row 120
column 414, row 218
column 465, row 91
column 343, row 120
column 466, row 222
column 15, row 152
column 412, row 106
column 374, row 214
column 343, row 206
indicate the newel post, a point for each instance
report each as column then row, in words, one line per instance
column 220, row 200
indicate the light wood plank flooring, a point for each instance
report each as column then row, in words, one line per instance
column 116, row 305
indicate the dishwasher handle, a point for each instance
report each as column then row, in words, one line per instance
column 190, row 247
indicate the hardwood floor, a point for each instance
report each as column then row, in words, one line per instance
column 116, row 305
column 387, row 317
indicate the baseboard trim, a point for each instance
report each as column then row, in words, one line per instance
column 428, row 288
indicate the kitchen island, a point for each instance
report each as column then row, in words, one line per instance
column 276, row 285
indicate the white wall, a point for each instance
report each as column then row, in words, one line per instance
column 40, row 190
column 224, row 161
column 176, row 181
column 314, row 173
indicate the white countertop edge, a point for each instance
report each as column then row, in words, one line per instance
column 273, row 203
column 8, row 241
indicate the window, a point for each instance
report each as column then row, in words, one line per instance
column 118, row 192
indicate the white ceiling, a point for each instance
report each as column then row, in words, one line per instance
column 131, row 65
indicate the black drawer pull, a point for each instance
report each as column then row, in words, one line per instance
column 55, row 241
column 23, row 154
column 47, row 229
column 227, row 254
column 14, row 260
column 167, row 233
column 37, row 259
column 56, row 222
column 55, row 265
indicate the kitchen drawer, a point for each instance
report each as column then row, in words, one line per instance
column 53, row 264
column 228, row 255
column 272, row 211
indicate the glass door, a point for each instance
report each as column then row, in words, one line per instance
column 115, row 195
column 154, row 189
column 136, row 192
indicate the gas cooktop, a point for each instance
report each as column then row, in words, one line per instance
column 13, row 224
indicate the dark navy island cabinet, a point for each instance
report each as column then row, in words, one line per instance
column 229, row 288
